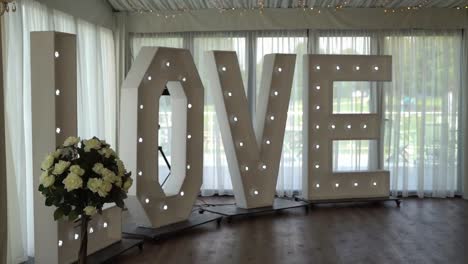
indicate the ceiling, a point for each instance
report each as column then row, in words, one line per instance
column 179, row 5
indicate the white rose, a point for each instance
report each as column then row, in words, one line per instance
column 120, row 167
column 128, row 183
column 91, row 144
column 108, row 175
column 107, row 152
column 94, row 184
column 90, row 210
column 70, row 141
column 60, row 167
column 97, row 168
column 57, row 153
column 47, row 163
column 77, row 170
column 106, row 187
column 72, row 182
column 47, row 180
column 118, row 182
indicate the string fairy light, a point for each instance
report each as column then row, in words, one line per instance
column 223, row 6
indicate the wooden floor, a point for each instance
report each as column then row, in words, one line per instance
column 421, row 231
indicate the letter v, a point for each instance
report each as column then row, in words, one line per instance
column 253, row 157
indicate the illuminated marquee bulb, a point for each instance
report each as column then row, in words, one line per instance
column 255, row 192
column 348, row 126
column 268, row 142
column 182, row 193
column 356, row 184
column 357, row 68
column 189, row 136
column 317, row 185
column 364, row 126
column 317, row 127
column 56, row 54
column 77, row 236
column 91, row 230
column 229, row 94
column 188, row 167
column 140, row 140
column 57, row 92
column 189, row 106
column 317, row 67
column 58, row 130
column 149, row 78
column 241, row 144
column 184, row 79
column 272, row 117
column 141, row 106
column 147, row 201
column 275, row 93
column 246, row 168
column 223, row 68
column 60, row 243
column 140, row 173
column 235, row 119
column 317, row 165
column 168, row 64
column 280, row 69
column 332, row 126
column 317, row 87
column 165, row 207
column 374, row 183
column 104, row 225
column 317, row 146
column 337, row 185
column 376, row 68
column 317, row 107
column 338, row 67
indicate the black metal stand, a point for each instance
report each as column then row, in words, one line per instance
column 155, row 234
column 231, row 211
column 354, row 200
column 108, row 254
column 167, row 164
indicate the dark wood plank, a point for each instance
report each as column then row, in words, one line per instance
column 108, row 254
column 420, row 231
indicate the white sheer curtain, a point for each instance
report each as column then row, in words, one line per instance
column 137, row 41
column 295, row 42
column 422, row 109
column 96, row 85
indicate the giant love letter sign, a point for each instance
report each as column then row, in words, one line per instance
column 155, row 69
column 253, row 157
column 54, row 118
column 322, row 127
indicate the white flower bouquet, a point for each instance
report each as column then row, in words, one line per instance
column 78, row 178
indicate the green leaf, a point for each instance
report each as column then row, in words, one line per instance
column 49, row 201
column 58, row 214
column 73, row 215
column 66, row 209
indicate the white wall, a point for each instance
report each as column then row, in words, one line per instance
column 95, row 11
column 3, row 199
